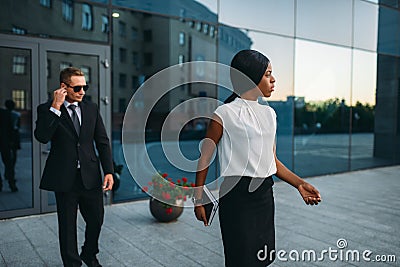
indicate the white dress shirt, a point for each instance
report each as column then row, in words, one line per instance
column 66, row 104
column 247, row 144
column 78, row 112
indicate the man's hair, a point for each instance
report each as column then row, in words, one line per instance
column 65, row 74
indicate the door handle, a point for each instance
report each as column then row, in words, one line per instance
column 105, row 63
column 105, row 100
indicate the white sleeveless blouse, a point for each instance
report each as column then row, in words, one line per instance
column 247, row 143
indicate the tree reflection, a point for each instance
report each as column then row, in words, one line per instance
column 333, row 116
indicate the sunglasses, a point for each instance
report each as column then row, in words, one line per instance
column 78, row 88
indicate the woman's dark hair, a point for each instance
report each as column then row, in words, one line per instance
column 247, row 69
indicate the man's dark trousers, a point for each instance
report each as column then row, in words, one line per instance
column 90, row 203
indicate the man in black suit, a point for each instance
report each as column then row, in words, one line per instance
column 72, row 169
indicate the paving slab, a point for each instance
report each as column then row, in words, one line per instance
column 362, row 208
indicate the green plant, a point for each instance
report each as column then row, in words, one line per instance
column 170, row 192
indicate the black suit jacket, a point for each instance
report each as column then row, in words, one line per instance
column 66, row 147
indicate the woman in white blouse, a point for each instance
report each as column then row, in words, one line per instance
column 244, row 130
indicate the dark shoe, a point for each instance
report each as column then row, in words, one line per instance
column 90, row 261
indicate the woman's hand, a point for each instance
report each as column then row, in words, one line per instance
column 309, row 194
column 200, row 213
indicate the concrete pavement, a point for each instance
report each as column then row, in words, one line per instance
column 360, row 212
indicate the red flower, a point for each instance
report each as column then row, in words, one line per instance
column 168, row 210
column 184, row 198
column 167, row 196
column 169, row 189
column 145, row 189
column 192, row 184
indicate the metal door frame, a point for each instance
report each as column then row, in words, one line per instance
column 22, row 43
column 39, row 48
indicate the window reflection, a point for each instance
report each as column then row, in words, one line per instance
column 322, row 108
column 151, row 53
column 16, row 181
column 181, row 38
column 363, row 106
column 19, row 65
column 71, row 20
column 264, row 15
column 328, row 21
column 365, row 25
column 322, row 71
column 105, row 27
column 45, row 3
column 19, row 98
column 68, row 10
column 201, row 10
column 19, row 30
column 122, row 29
column 87, row 17
column 364, row 77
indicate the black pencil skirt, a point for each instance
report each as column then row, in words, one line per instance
column 247, row 221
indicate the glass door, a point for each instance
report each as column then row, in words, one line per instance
column 28, row 77
column 18, row 82
column 93, row 61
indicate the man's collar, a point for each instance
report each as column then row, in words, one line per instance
column 66, row 103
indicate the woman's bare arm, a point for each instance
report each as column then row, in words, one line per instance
column 308, row 192
column 213, row 135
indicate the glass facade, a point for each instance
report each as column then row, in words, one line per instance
column 16, row 161
column 337, row 66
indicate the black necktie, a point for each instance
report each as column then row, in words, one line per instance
column 75, row 119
